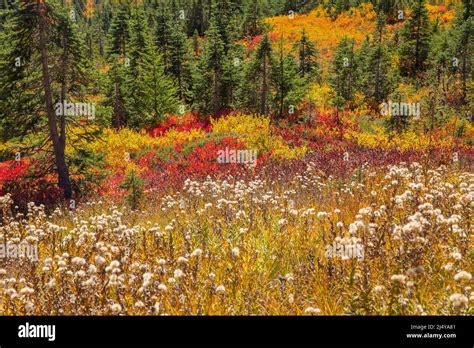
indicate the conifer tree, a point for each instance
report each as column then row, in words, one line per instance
column 344, row 69
column 120, row 32
column 42, row 65
column 308, row 57
column 149, row 93
column 163, row 36
column 256, row 84
column 179, row 60
column 415, row 42
column 287, row 83
column 208, row 75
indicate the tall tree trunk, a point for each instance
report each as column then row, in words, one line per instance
column 58, row 145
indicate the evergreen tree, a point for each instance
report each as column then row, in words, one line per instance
column 163, row 36
column 33, row 80
column 288, row 85
column 208, row 76
column 344, row 69
column 308, row 57
column 256, row 84
column 233, row 75
column 380, row 59
column 178, row 60
column 149, row 93
column 373, row 62
column 463, row 29
column 252, row 14
column 415, row 42
column 196, row 20
column 120, row 32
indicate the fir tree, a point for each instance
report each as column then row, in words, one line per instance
column 415, row 42
column 344, row 69
column 149, row 93
column 308, row 57
column 208, row 75
column 256, row 84
column 34, row 80
column 120, row 32
column 288, row 85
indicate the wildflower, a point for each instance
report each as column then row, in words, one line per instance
column 99, row 260
column 282, row 222
column 26, row 291
column 398, row 278
column 312, row 310
column 457, row 256
column 196, row 253
column 448, row 266
column 322, row 214
column 220, row 290
column 116, row 308
column 162, row 287
column 463, row 275
column 378, row 288
column 458, row 300
column 235, row 252
column 178, row 273
column 182, row 260
column 147, row 279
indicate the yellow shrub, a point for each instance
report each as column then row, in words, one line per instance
column 174, row 137
column 255, row 132
column 403, row 141
column 321, row 95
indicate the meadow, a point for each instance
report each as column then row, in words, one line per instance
column 334, row 208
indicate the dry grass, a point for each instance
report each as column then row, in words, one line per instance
column 257, row 247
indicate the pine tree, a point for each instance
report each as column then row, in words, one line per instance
column 163, row 36
column 178, row 60
column 308, row 57
column 463, row 28
column 34, row 79
column 252, row 14
column 196, row 20
column 119, row 39
column 256, row 84
column 373, row 62
column 415, row 42
column 149, row 93
column 120, row 32
column 288, row 85
column 344, row 69
column 208, row 75
column 380, row 60
column 363, row 63
column 233, row 75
